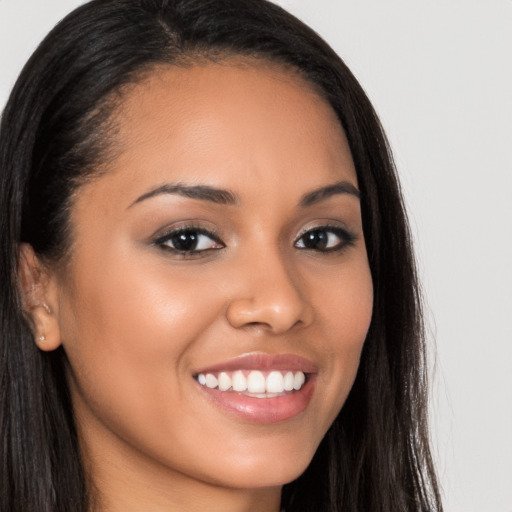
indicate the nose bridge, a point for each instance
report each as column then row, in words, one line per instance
column 268, row 292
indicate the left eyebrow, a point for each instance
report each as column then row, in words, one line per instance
column 323, row 193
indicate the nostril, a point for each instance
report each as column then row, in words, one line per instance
column 276, row 306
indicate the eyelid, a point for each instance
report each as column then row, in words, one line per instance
column 326, row 224
column 166, row 234
column 187, row 225
column 182, row 229
column 347, row 236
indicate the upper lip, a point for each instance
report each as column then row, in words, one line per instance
column 263, row 362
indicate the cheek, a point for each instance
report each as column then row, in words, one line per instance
column 344, row 317
column 127, row 333
column 134, row 306
column 344, row 303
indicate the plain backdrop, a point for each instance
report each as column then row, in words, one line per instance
column 440, row 76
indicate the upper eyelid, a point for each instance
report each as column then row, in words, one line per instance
column 347, row 239
column 164, row 233
column 162, row 240
column 326, row 226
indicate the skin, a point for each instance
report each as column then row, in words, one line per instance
column 137, row 319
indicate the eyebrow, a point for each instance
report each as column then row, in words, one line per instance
column 323, row 193
column 203, row 192
column 226, row 197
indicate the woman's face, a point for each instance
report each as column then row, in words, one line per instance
column 223, row 247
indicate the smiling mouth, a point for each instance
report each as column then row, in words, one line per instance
column 254, row 383
column 260, row 388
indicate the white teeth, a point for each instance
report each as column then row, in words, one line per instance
column 224, row 381
column 275, row 382
column 298, row 381
column 256, row 384
column 289, row 379
column 211, row 381
column 239, row 381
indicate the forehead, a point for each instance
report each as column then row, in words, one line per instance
column 230, row 125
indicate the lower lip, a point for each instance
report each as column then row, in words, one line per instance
column 263, row 410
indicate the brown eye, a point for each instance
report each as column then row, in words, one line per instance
column 187, row 240
column 325, row 239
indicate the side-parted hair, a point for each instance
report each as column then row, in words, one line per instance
column 55, row 134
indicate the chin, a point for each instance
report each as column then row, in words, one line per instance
column 268, row 467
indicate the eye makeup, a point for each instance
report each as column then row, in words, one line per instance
column 189, row 240
column 325, row 238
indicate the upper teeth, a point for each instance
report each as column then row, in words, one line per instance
column 254, row 382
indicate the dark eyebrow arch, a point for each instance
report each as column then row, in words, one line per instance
column 342, row 187
column 203, row 192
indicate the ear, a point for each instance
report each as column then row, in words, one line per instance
column 39, row 295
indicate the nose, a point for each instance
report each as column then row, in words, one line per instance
column 269, row 295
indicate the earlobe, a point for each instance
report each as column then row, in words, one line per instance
column 39, row 300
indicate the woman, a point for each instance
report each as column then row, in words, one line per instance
column 210, row 297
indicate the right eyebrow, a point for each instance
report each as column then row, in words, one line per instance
column 202, row 192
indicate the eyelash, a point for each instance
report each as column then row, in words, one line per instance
column 347, row 239
column 163, row 240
